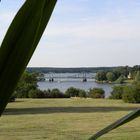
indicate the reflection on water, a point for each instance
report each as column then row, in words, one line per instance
column 65, row 80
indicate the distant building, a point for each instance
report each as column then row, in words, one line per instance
column 129, row 75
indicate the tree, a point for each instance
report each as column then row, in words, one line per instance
column 110, row 76
column 75, row 92
column 82, row 93
column 136, row 68
column 101, row 76
column 72, row 92
column 123, row 70
column 36, row 93
column 27, row 82
column 96, row 93
column 131, row 94
column 117, row 92
column 56, row 93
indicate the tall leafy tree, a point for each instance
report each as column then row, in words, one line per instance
column 27, row 82
column 101, row 76
column 110, row 76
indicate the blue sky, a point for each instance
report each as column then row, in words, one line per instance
column 84, row 33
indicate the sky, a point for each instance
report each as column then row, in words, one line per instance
column 85, row 33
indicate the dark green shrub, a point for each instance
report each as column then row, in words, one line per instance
column 116, row 92
column 56, row 93
column 131, row 94
column 82, row 93
column 96, row 93
column 47, row 93
column 36, row 94
column 21, row 93
column 72, row 92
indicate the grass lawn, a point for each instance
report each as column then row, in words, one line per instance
column 66, row 119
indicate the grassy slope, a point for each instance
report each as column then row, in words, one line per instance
column 66, row 119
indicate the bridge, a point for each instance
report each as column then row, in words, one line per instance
column 84, row 76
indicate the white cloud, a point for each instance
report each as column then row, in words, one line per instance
column 105, row 29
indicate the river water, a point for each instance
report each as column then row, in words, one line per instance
column 63, row 81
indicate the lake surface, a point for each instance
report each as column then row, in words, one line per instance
column 63, row 81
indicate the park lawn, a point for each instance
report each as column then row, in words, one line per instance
column 66, row 119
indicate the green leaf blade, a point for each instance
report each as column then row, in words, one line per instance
column 20, row 42
column 129, row 117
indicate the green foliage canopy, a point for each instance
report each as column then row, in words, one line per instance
column 101, row 76
column 110, row 76
column 131, row 94
column 96, row 93
column 117, row 92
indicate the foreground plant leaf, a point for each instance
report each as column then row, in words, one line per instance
column 116, row 124
column 20, row 42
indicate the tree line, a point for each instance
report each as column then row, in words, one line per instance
column 67, row 70
column 128, row 93
column 28, row 88
column 118, row 74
